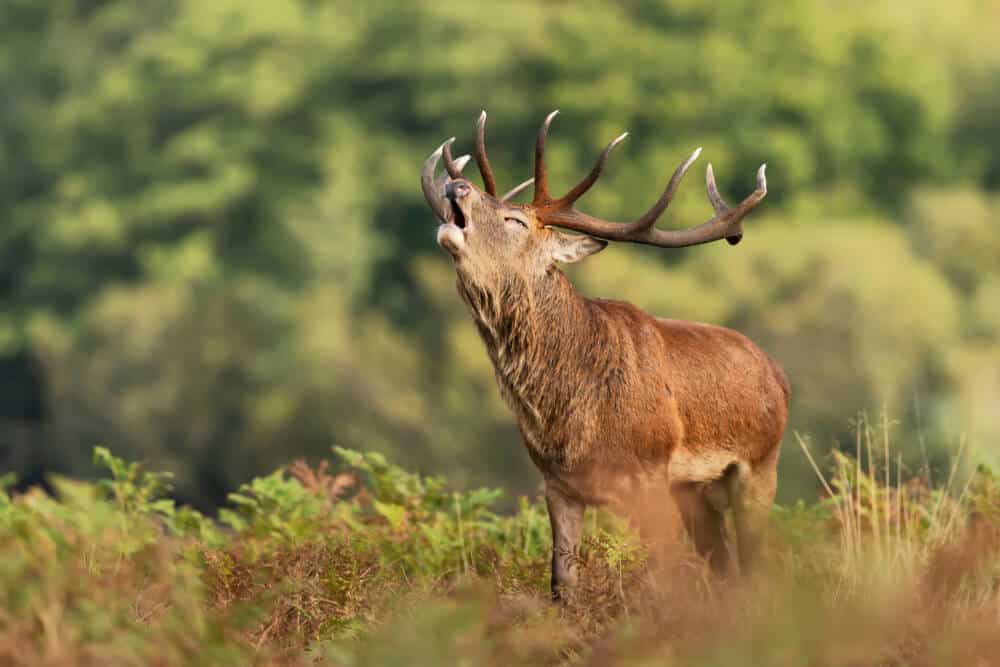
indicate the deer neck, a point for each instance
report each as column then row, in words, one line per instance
column 531, row 328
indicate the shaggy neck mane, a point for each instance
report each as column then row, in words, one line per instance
column 525, row 324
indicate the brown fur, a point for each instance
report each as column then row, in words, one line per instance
column 617, row 407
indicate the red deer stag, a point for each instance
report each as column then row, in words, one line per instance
column 613, row 403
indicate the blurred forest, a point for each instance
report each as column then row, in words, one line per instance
column 215, row 256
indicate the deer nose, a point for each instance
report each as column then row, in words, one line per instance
column 456, row 190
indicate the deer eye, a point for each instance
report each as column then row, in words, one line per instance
column 517, row 221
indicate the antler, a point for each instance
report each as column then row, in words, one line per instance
column 516, row 190
column 485, row 170
column 484, row 164
column 454, row 169
column 434, row 189
column 727, row 222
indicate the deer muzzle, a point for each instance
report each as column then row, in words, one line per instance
column 455, row 192
column 451, row 238
column 451, row 235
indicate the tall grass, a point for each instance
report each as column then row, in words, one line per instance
column 890, row 524
column 374, row 565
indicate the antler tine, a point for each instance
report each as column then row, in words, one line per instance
column 718, row 203
column 433, row 189
column 516, row 190
column 762, row 178
column 541, row 176
column 735, row 215
column 580, row 188
column 449, row 162
column 650, row 217
column 484, row 164
column 722, row 208
column 432, row 193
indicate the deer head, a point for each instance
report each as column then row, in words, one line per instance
column 489, row 236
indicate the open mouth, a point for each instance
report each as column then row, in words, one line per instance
column 457, row 216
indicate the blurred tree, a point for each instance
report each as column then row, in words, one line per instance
column 213, row 251
column 958, row 231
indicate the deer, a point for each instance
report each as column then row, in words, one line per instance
column 615, row 406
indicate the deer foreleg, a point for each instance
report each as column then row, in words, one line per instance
column 566, row 518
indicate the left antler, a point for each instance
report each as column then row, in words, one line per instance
column 726, row 224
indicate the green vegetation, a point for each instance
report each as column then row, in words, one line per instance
column 374, row 565
column 214, row 255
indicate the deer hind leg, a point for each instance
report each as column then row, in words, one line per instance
column 751, row 491
column 705, row 523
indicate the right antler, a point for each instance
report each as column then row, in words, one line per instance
column 434, row 189
column 727, row 222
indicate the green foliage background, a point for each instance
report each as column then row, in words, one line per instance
column 214, row 255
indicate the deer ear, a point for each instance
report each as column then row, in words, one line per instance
column 569, row 248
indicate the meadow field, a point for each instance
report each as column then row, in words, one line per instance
column 360, row 562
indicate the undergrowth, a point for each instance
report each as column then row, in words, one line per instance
column 369, row 564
